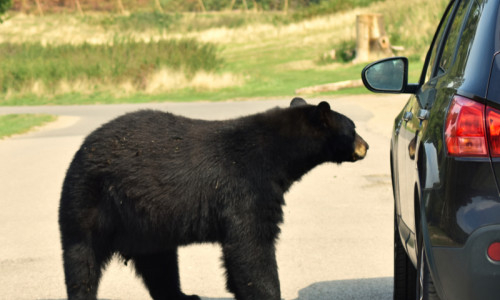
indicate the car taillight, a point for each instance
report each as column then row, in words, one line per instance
column 493, row 124
column 465, row 132
column 470, row 127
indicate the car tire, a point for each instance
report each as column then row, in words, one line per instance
column 425, row 286
column 405, row 274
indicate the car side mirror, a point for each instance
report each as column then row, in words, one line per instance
column 389, row 75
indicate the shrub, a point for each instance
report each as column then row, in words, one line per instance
column 24, row 64
column 138, row 20
column 4, row 6
column 345, row 51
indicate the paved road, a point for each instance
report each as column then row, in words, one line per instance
column 336, row 242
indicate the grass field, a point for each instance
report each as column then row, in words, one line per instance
column 22, row 123
column 97, row 58
column 114, row 63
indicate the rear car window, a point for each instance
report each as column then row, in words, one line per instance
column 494, row 89
column 468, row 34
column 450, row 46
column 435, row 46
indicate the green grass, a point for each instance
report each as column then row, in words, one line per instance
column 24, row 64
column 140, row 20
column 22, row 123
column 265, row 56
column 413, row 30
column 309, row 8
column 329, row 7
column 266, row 75
column 270, row 12
column 264, row 84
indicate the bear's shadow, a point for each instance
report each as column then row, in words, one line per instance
column 355, row 289
column 358, row 289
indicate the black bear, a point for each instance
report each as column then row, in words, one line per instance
column 148, row 182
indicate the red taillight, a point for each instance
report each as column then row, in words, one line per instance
column 494, row 251
column 468, row 132
column 493, row 124
column 465, row 132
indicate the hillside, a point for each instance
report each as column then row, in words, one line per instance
column 227, row 55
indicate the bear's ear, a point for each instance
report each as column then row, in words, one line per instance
column 297, row 101
column 323, row 111
column 324, row 107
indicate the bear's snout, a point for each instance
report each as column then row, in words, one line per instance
column 360, row 148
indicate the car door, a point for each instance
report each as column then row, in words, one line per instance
column 413, row 121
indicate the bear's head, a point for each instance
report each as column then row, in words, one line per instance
column 340, row 141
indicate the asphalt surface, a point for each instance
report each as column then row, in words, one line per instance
column 336, row 241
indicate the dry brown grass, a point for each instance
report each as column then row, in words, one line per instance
column 164, row 80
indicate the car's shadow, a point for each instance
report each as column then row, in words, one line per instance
column 356, row 289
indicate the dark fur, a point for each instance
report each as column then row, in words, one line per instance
column 148, row 182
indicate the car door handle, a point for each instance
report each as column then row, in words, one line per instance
column 408, row 116
column 423, row 114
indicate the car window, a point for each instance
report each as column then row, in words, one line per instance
column 437, row 41
column 468, row 34
column 451, row 41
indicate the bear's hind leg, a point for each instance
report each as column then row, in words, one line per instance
column 160, row 273
column 83, row 266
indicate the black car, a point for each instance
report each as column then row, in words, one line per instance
column 445, row 159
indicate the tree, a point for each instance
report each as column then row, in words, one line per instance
column 4, row 6
column 39, row 7
column 121, row 9
column 202, row 6
column 244, row 5
column 79, row 7
column 158, row 6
